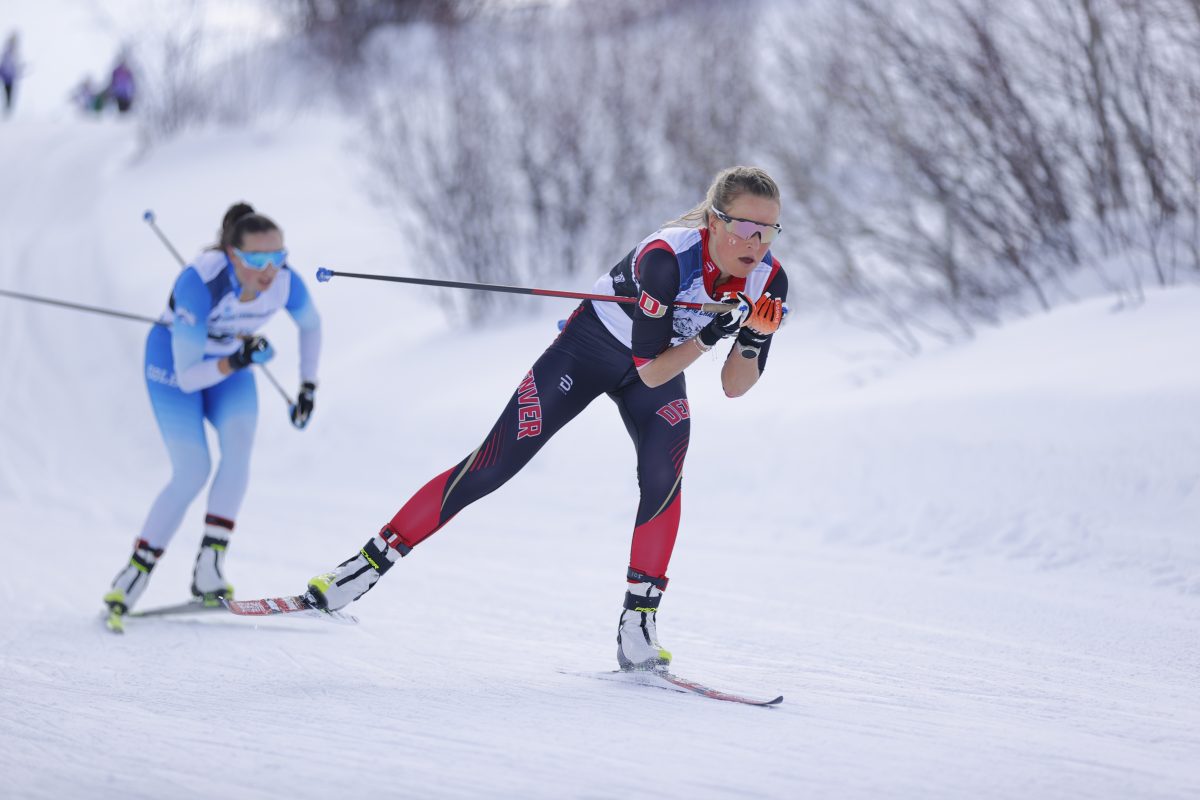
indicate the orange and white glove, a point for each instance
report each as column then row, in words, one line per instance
column 768, row 314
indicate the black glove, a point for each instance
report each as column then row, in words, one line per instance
column 254, row 350
column 302, row 410
column 727, row 324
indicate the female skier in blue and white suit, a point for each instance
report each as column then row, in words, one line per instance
column 196, row 370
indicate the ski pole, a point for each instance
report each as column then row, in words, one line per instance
column 271, row 378
column 109, row 312
column 151, row 221
column 324, row 275
column 33, row 298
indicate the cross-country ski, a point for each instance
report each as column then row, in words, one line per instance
column 294, row 605
column 189, row 607
column 668, row 680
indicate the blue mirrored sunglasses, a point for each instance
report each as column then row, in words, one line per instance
column 260, row 260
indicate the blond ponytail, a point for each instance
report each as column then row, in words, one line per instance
column 728, row 186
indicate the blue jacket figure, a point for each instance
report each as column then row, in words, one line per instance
column 196, row 370
column 10, row 70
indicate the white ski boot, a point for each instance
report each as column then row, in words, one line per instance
column 637, row 636
column 357, row 574
column 208, row 576
column 130, row 582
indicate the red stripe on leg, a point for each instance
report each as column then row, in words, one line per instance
column 654, row 540
column 421, row 516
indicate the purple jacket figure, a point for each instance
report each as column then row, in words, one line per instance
column 121, row 86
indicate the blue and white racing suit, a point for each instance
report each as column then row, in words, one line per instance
column 201, row 325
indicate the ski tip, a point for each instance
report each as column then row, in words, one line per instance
column 716, row 694
column 115, row 623
column 323, row 275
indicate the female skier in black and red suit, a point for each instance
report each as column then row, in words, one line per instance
column 636, row 354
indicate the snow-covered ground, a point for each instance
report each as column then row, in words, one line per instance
column 972, row 574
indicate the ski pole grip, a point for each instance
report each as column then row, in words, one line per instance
column 148, row 216
column 717, row 308
column 323, row 274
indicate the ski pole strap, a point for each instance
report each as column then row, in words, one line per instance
column 634, row 576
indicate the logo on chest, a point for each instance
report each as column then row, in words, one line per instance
column 233, row 318
column 687, row 323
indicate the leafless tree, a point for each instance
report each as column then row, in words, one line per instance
column 968, row 155
column 340, row 29
column 540, row 145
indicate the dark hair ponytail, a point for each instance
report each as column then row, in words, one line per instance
column 239, row 220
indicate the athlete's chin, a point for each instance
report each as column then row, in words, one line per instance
column 742, row 270
column 265, row 283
